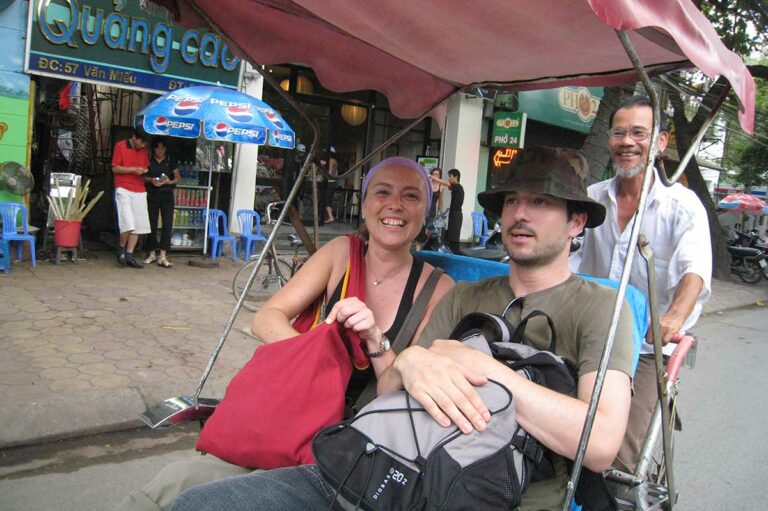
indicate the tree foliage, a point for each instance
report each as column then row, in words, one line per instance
column 753, row 165
column 748, row 156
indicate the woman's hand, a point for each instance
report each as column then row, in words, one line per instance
column 355, row 315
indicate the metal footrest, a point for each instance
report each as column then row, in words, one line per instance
column 632, row 494
column 645, row 496
column 177, row 410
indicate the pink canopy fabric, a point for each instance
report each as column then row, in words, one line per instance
column 743, row 203
column 418, row 52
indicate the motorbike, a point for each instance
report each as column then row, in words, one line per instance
column 748, row 263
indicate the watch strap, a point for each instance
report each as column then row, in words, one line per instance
column 384, row 346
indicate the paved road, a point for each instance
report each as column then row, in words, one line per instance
column 720, row 454
column 722, row 451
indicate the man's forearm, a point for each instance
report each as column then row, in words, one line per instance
column 687, row 293
column 556, row 420
column 389, row 380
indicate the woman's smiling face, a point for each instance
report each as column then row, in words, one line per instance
column 395, row 206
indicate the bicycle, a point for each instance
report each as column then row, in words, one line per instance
column 273, row 273
column 648, row 487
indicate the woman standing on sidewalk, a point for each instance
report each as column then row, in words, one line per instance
column 160, row 181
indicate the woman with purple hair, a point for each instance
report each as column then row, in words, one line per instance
column 396, row 198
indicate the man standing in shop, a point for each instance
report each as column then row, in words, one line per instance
column 676, row 225
column 455, row 216
column 130, row 161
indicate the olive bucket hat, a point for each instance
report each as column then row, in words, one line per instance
column 551, row 171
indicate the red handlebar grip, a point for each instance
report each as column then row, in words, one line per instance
column 684, row 344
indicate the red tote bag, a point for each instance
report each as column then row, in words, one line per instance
column 274, row 406
column 288, row 391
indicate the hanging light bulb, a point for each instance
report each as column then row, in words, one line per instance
column 303, row 85
column 354, row 115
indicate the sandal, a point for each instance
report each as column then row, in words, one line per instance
column 151, row 258
column 165, row 263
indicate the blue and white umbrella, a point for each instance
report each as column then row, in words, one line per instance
column 217, row 114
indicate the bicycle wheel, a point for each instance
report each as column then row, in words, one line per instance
column 657, row 472
column 750, row 272
column 271, row 277
column 655, row 492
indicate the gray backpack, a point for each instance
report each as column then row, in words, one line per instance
column 393, row 456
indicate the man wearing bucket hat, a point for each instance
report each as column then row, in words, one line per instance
column 543, row 204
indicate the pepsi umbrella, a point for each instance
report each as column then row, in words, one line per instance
column 743, row 203
column 216, row 114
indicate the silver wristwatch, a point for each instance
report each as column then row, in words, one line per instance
column 384, row 346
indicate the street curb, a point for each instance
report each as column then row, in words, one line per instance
column 30, row 422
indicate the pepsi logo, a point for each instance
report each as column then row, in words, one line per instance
column 221, row 129
column 283, row 137
column 161, row 123
column 186, row 107
column 274, row 119
column 240, row 113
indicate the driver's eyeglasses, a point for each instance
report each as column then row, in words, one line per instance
column 638, row 135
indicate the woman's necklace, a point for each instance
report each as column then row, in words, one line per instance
column 378, row 281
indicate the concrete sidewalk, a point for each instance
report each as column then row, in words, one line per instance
column 88, row 347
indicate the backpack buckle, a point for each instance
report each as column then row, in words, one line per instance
column 529, row 446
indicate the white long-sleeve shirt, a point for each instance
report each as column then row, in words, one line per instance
column 675, row 222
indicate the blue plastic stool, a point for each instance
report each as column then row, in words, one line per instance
column 480, row 228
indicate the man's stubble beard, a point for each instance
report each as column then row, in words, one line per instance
column 539, row 257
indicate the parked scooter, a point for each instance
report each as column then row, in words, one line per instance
column 748, row 263
column 749, row 239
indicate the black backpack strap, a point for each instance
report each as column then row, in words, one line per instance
column 519, row 332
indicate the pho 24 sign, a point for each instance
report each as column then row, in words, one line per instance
column 509, row 129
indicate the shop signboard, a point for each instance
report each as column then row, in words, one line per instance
column 574, row 108
column 509, row 129
column 428, row 162
column 122, row 44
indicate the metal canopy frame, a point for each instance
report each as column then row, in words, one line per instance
column 634, row 237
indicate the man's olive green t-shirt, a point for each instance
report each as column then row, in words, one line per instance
column 581, row 311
